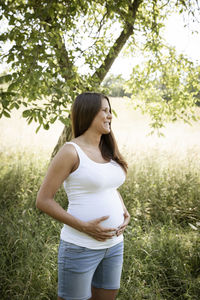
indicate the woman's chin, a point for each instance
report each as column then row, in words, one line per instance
column 107, row 131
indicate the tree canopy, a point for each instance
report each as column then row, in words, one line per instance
column 61, row 48
column 166, row 86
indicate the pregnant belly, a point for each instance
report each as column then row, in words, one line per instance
column 114, row 220
column 102, row 206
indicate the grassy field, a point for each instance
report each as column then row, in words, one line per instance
column 162, row 193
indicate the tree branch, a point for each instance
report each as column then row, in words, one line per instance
column 101, row 72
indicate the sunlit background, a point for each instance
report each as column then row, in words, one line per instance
column 130, row 127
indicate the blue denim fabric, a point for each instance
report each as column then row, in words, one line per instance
column 79, row 268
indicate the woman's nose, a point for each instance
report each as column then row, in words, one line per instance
column 110, row 115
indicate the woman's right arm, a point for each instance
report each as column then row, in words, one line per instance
column 60, row 167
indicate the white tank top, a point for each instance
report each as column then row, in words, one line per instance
column 92, row 193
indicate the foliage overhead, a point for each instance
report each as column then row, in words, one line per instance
column 61, row 48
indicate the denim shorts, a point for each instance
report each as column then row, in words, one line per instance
column 79, row 268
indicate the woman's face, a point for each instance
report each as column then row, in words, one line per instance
column 102, row 121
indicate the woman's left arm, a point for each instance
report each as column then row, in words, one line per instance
column 122, row 227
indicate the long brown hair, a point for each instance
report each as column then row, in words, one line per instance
column 84, row 109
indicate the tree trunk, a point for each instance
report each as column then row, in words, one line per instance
column 66, row 135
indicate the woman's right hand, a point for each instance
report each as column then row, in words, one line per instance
column 97, row 231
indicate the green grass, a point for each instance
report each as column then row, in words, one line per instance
column 162, row 245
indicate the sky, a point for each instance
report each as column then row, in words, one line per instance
column 175, row 35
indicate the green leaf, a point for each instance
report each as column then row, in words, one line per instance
column 16, row 105
column 52, row 120
column 11, row 86
column 30, row 120
column 46, row 126
column 26, row 113
column 65, row 121
column 114, row 113
column 6, row 114
column 5, row 78
column 40, row 118
column 38, row 128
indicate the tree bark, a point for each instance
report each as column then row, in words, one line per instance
column 66, row 135
column 101, row 72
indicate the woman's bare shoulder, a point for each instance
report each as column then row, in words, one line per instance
column 68, row 150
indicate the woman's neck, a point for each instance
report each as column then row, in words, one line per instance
column 90, row 139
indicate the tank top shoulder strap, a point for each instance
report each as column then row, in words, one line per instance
column 78, row 150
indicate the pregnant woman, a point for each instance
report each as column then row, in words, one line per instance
column 91, row 169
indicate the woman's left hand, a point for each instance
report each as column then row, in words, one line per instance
column 122, row 227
